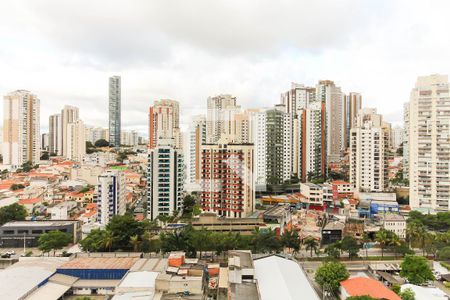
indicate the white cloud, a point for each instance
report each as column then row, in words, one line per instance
column 64, row 51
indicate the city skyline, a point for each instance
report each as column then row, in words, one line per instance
column 362, row 54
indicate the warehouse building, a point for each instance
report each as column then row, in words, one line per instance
column 18, row 234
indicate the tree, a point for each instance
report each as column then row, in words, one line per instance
column 444, row 253
column 366, row 239
column 394, row 242
column 291, row 240
column 134, row 241
column 101, row 143
column 350, row 245
column 45, row 156
column 188, row 205
column 416, row 269
column 330, row 274
column 333, row 251
column 383, row 238
column 407, row 294
column 13, row 212
column 15, row 187
column 27, row 166
column 94, row 241
column 122, row 228
column 311, row 244
column 108, row 240
column 53, row 240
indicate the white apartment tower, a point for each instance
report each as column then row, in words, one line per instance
column 110, row 195
column 55, row 135
column 352, row 105
column 165, row 181
column 428, row 141
column 272, row 146
column 69, row 114
column 330, row 94
column 221, row 111
column 75, row 141
column 369, row 142
column 21, row 125
column 397, row 136
column 197, row 137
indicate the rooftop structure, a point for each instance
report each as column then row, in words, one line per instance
column 363, row 286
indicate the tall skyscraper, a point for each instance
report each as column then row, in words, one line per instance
column 227, row 179
column 55, row 134
column 110, row 195
column 331, row 95
column 115, row 110
column 406, row 141
column 220, row 117
column 313, row 143
column 352, row 105
column 164, row 122
column 69, row 114
column 369, row 145
column 197, row 137
column 75, row 141
column 21, row 126
column 165, row 181
column 428, row 128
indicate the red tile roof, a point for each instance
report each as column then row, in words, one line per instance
column 362, row 286
column 30, row 201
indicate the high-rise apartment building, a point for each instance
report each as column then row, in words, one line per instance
column 330, row 94
column 313, row 160
column 273, row 137
column 55, row 134
column 227, row 179
column 115, row 95
column 428, row 130
column 69, row 114
column 220, row 118
column 352, row 105
column 130, row 138
column 397, row 136
column 165, row 181
column 110, row 195
column 164, row 123
column 94, row 134
column 197, row 137
column 406, row 140
column 369, row 145
column 44, row 142
column 75, row 141
column 21, row 126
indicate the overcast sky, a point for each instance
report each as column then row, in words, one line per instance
column 187, row 50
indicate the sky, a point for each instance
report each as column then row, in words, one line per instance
column 64, row 51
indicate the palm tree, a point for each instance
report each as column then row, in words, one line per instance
column 395, row 242
column 366, row 239
column 416, row 233
column 311, row 244
column 383, row 238
column 134, row 241
column 108, row 240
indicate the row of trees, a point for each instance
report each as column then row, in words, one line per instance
column 13, row 212
column 124, row 233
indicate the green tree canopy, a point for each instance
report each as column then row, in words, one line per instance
column 291, row 240
column 416, row 269
column 330, row 274
column 407, row 294
column 13, row 212
column 53, row 240
column 444, row 253
column 122, row 229
column 101, row 143
column 350, row 245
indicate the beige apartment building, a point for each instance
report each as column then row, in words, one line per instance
column 21, row 126
column 427, row 139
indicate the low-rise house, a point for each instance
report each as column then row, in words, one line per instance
column 332, row 232
column 363, row 286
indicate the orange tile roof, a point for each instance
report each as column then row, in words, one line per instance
column 340, row 182
column 89, row 214
column 30, row 201
column 91, row 205
column 362, row 286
